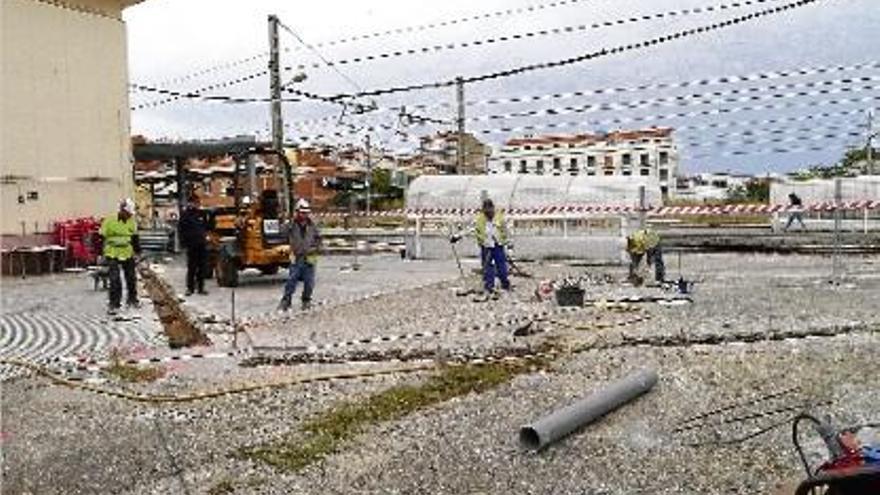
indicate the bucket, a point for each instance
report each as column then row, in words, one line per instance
column 570, row 296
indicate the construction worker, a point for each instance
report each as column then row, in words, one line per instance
column 120, row 238
column 305, row 244
column 492, row 236
column 193, row 228
column 797, row 212
column 645, row 242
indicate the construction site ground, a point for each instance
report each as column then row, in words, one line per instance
column 764, row 337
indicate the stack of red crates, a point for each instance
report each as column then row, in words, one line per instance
column 80, row 237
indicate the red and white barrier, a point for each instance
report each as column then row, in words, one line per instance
column 573, row 210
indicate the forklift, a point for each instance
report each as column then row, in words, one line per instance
column 252, row 233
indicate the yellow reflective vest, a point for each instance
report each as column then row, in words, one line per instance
column 118, row 237
column 642, row 240
column 480, row 229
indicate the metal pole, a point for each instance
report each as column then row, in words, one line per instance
column 642, row 206
column 460, row 152
column 369, row 166
column 234, row 325
column 275, row 109
column 870, row 150
column 838, row 199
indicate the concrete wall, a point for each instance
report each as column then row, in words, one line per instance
column 64, row 123
column 595, row 248
column 822, row 190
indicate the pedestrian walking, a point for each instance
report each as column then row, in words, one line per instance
column 493, row 238
column 193, row 229
column 121, row 244
column 305, row 245
column 645, row 243
column 796, row 212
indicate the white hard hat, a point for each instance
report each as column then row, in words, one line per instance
column 127, row 204
column 246, row 200
column 303, row 206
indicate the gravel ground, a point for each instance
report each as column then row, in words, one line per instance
column 64, row 441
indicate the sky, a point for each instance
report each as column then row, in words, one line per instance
column 188, row 45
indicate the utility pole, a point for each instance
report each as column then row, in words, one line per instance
column 459, row 96
column 369, row 165
column 869, row 152
column 281, row 176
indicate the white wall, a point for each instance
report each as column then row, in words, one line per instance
column 65, row 113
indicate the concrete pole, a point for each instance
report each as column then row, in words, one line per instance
column 460, row 153
column 281, row 176
column 418, row 238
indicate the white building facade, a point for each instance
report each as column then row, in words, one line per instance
column 645, row 153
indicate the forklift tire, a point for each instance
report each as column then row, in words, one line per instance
column 227, row 272
column 269, row 270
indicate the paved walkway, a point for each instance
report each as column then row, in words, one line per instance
column 53, row 316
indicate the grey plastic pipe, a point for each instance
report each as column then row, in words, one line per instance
column 559, row 424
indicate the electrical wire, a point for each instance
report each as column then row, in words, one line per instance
column 377, row 34
column 314, row 50
column 530, row 35
column 604, row 52
column 796, row 440
column 719, row 80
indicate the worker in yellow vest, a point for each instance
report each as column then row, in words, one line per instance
column 119, row 233
column 645, row 242
column 493, row 237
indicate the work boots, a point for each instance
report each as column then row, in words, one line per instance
column 284, row 305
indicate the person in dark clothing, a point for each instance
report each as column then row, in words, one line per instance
column 797, row 212
column 193, row 227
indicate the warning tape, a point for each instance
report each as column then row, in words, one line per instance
column 57, row 379
column 565, row 210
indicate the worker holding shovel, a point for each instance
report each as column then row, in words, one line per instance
column 492, row 236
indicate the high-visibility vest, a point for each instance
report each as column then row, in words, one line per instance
column 500, row 228
column 117, row 237
column 642, row 240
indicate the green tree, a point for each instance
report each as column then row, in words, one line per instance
column 754, row 191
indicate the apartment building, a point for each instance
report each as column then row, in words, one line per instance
column 647, row 152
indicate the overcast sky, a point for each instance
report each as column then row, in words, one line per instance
column 169, row 39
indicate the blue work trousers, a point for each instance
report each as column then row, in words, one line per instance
column 300, row 271
column 494, row 263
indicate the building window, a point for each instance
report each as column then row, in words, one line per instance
column 573, row 165
column 508, row 167
column 540, row 148
column 609, row 172
column 644, row 160
column 664, row 158
column 571, row 145
column 591, row 162
column 664, row 174
column 539, row 167
column 555, row 145
column 609, row 161
column 591, row 172
column 523, row 164
column 627, row 159
column 527, row 147
column 627, row 172
column 557, row 164
column 646, row 171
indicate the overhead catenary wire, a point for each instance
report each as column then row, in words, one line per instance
column 508, row 72
column 603, row 52
column 655, row 119
column 377, row 34
column 530, row 35
column 712, row 81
